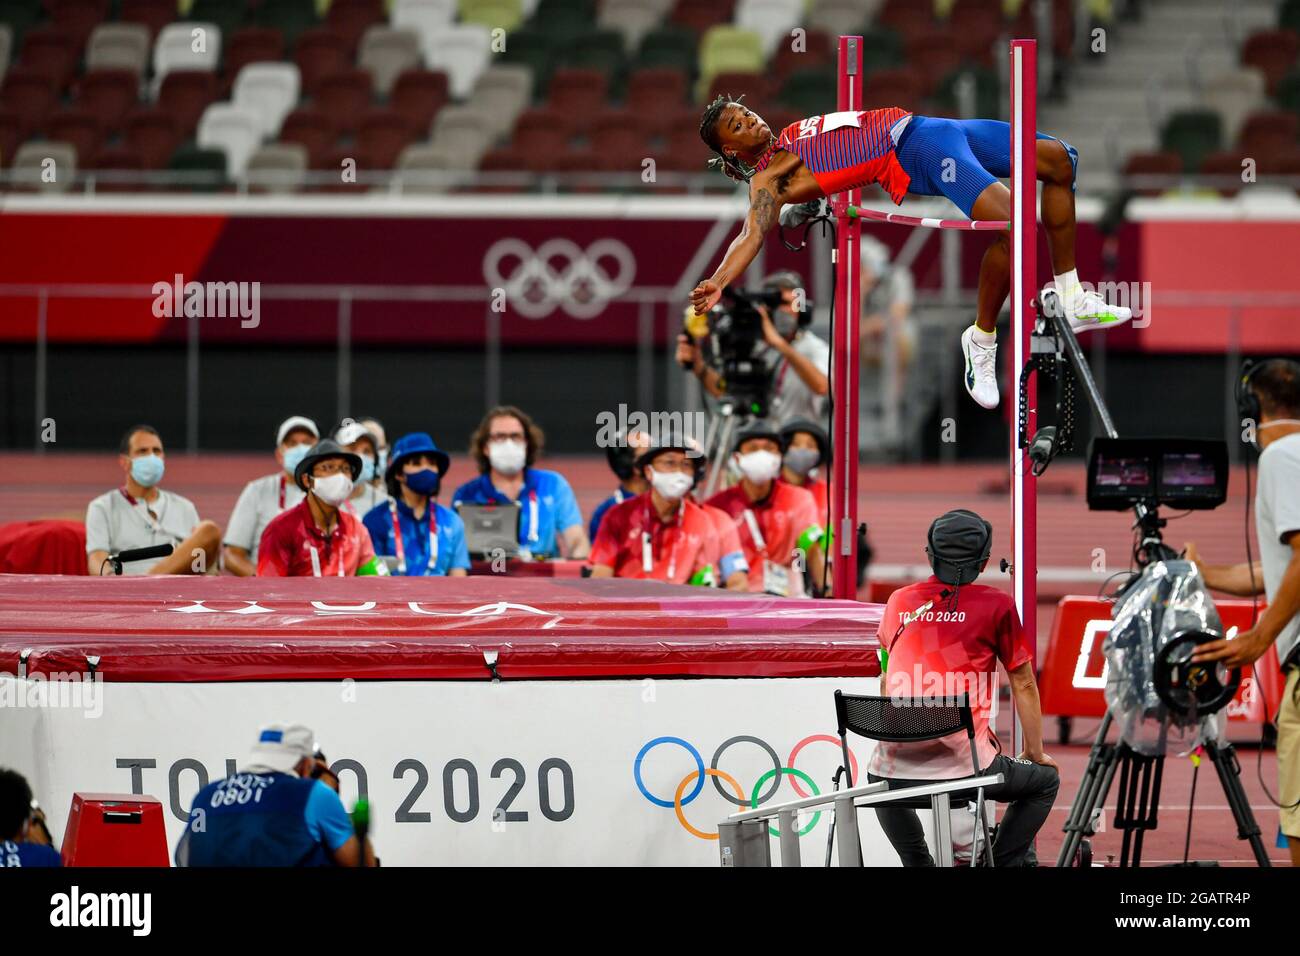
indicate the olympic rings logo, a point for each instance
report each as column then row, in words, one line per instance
column 734, row 793
column 560, row 274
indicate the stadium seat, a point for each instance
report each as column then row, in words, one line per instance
column 418, row 95
column 228, row 15
column 493, row 14
column 837, row 17
column 631, row 19
column 577, row 92
column 426, row 17
column 291, row 17
column 309, row 127
column 725, row 49
column 204, row 169
column 119, row 46
column 594, row 50
column 175, row 49
column 671, row 48
column 907, row 18
column 1288, row 16
column 536, row 50
column 563, row 18
column 901, row 88
column 772, row 20
column 542, row 131
column 30, row 95
column 117, row 170
column 353, row 18
column 232, row 129
column 250, row 45
column 109, row 94
column 1227, row 163
column 1193, row 134
column 387, row 52
column 185, row 94
column 153, row 133
column 78, row 17
column 1267, row 132
column 987, row 93
column 52, row 51
column 810, row 92
column 1287, row 94
column 501, row 94
column 698, row 16
column 757, row 89
column 278, row 168
column 1152, row 164
column 382, row 134
column 6, row 47
column 655, row 90
column 619, row 131
column 1234, row 95
column 32, row 166
column 269, row 89
column 934, row 56
column 818, row 51
column 344, row 97
column 12, row 134
column 1273, row 52
column 464, row 131
column 418, row 163
column 81, row 129
column 333, row 161
column 19, row 16
column 461, row 51
column 153, row 15
column 320, row 52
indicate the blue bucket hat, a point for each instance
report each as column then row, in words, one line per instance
column 416, row 443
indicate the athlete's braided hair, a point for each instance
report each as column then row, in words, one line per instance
column 729, row 165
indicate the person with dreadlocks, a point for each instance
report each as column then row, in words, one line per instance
column 961, row 159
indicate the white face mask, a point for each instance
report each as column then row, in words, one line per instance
column 759, row 466
column 333, row 489
column 672, row 485
column 507, row 457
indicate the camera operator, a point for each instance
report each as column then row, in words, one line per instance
column 281, row 809
column 798, row 358
column 1270, row 396
column 24, row 838
column 948, row 632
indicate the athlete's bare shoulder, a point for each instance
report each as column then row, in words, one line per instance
column 787, row 179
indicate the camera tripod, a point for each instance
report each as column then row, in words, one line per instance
column 1138, row 799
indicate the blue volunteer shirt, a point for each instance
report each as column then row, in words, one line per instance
column 617, row 498
column 546, row 493
column 28, row 854
column 264, row 819
column 452, row 550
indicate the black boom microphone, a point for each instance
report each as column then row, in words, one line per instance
column 139, row 554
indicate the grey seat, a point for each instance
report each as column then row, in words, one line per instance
column 465, row 131
column 386, row 52
column 278, row 167
column 118, row 46
column 418, row 163
column 501, row 94
column 45, row 165
column 632, row 18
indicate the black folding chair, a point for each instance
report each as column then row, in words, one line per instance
column 911, row 720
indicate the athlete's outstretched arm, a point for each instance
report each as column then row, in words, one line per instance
column 763, row 209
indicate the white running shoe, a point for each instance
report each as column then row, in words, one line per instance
column 1088, row 310
column 981, row 372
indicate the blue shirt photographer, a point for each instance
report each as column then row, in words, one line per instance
column 547, row 507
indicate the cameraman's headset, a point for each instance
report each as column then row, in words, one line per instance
column 956, row 560
column 789, row 279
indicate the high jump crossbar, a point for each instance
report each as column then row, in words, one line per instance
column 1024, row 269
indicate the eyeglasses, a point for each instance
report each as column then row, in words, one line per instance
column 331, row 466
column 672, row 464
column 516, row 437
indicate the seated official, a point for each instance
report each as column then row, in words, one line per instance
column 805, row 451
column 778, row 524
column 24, row 839
column 366, row 492
column 264, row 498
column 139, row 514
column 661, row 533
column 276, row 811
column 946, row 632
column 422, row 536
column 505, row 445
column 316, row 538
column 622, row 462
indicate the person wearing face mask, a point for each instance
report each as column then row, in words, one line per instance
column 778, row 524
column 622, row 462
column 505, row 445
column 317, row 538
column 662, row 533
column 798, row 357
column 376, row 429
column 139, row 514
column 367, row 493
column 1268, row 400
column 805, row 448
column 264, row 498
column 418, row 535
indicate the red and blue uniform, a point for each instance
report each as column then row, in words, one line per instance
column 847, row 150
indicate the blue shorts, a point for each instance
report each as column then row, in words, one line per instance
column 979, row 150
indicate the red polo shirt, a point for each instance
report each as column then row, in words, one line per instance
column 938, row 648
column 292, row 538
column 679, row 549
column 783, row 518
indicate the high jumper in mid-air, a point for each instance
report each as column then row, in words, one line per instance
column 905, row 153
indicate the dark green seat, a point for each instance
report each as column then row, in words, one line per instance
column 563, row 17
column 20, row 15
column 536, row 50
column 988, row 91
column 1288, row 18
column 191, row 159
column 1193, row 135
column 882, row 49
column 228, row 15
column 669, row 48
column 1287, row 94
column 290, row 17
column 808, row 92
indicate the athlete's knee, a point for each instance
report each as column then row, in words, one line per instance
column 1055, row 162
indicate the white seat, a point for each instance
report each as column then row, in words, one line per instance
column 837, row 17
column 1234, row 95
column 632, row 18
column 118, row 46
column 770, row 19
column 428, row 18
column 33, row 159
column 185, row 46
column 278, row 167
column 462, row 52
column 233, row 129
column 270, row 90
